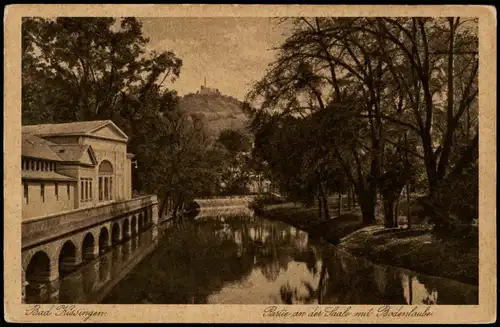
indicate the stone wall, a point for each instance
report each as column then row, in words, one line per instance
column 36, row 206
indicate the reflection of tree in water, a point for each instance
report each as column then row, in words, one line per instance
column 307, row 256
column 274, row 254
column 290, row 295
column 448, row 292
column 200, row 259
column 185, row 268
column 355, row 281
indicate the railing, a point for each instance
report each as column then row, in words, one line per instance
column 38, row 230
column 217, row 197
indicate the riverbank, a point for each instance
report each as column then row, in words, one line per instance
column 415, row 249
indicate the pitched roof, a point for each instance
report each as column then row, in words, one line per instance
column 45, row 175
column 35, row 147
column 65, row 128
column 75, row 128
column 73, row 152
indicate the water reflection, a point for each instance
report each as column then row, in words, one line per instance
column 85, row 285
column 243, row 260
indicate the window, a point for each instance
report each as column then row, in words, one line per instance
column 42, row 192
column 57, row 191
column 105, row 181
column 86, row 189
column 32, row 165
column 106, row 191
column 68, row 190
column 100, row 188
column 26, row 194
column 110, row 188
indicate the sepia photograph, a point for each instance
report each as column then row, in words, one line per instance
column 278, row 160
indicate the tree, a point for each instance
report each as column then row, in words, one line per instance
column 234, row 141
column 372, row 80
column 82, row 68
column 98, row 68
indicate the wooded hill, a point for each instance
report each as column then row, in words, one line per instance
column 217, row 111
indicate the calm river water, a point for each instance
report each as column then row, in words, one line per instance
column 232, row 257
column 225, row 258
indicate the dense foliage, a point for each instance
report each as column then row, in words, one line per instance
column 382, row 102
column 77, row 69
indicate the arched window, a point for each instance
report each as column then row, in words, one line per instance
column 105, row 181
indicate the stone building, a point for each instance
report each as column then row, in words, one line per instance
column 77, row 201
column 73, row 165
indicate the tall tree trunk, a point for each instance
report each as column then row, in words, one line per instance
column 396, row 212
column 353, row 192
column 326, row 211
column 340, row 203
column 322, row 195
column 320, row 209
column 349, row 200
column 388, row 200
column 367, row 203
column 174, row 213
column 408, row 218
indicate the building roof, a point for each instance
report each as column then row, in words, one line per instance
column 35, row 147
column 65, row 128
column 45, row 175
column 76, row 128
column 73, row 152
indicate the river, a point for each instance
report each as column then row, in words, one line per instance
column 232, row 257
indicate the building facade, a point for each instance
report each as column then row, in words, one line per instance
column 72, row 166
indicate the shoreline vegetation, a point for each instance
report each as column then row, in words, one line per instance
column 416, row 248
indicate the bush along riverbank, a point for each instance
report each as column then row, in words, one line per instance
column 416, row 248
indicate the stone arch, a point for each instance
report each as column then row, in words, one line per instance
column 38, row 269
column 125, row 229
column 103, row 240
column 67, row 258
column 133, row 229
column 106, row 190
column 88, row 247
column 37, row 277
column 115, row 234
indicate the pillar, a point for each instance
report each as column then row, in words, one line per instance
column 154, row 214
column 44, row 288
column 91, row 254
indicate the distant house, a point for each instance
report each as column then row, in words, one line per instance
column 73, row 165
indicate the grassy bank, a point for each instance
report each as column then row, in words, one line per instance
column 415, row 249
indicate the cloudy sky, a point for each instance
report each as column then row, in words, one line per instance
column 230, row 52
